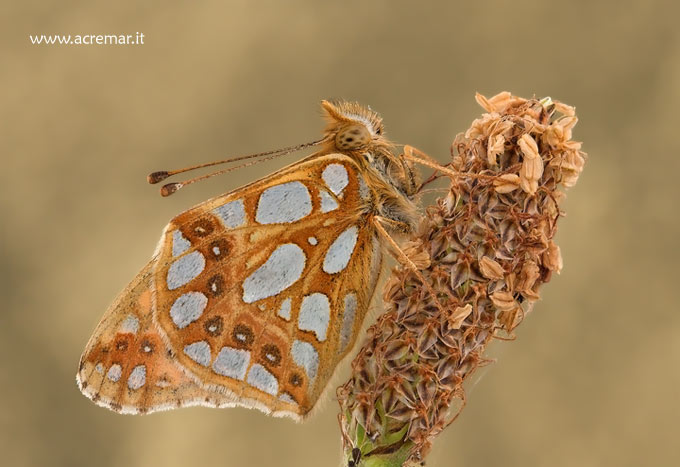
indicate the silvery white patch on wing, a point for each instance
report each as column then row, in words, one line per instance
column 283, row 203
column 232, row 363
column 137, row 377
column 185, row 269
column 312, row 241
column 130, row 324
column 284, row 311
column 179, row 243
column 348, row 316
column 340, row 251
column 232, row 214
column 315, row 313
column 260, row 378
column 305, row 355
column 281, row 270
column 336, row 178
column 99, row 368
column 328, row 203
column 114, row 372
column 199, row 352
column 188, row 308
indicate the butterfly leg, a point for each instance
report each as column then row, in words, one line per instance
column 416, row 155
column 402, row 257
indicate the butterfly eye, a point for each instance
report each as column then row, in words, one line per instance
column 352, row 137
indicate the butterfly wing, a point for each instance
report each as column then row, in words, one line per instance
column 258, row 294
column 126, row 366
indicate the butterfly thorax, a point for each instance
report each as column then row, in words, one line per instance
column 358, row 132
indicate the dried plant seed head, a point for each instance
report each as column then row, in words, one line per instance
column 459, row 315
column 487, row 248
column 494, row 148
column 506, row 183
column 490, row 268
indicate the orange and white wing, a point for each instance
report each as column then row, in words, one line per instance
column 258, row 294
column 126, row 366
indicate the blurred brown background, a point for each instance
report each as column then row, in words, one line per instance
column 592, row 379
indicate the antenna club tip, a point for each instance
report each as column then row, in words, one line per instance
column 156, row 177
column 170, row 188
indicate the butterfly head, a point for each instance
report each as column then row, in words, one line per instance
column 351, row 126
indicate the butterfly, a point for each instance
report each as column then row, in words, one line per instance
column 253, row 297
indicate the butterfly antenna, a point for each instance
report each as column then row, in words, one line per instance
column 161, row 175
column 170, row 188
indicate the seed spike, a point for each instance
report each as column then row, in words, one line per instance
column 426, row 355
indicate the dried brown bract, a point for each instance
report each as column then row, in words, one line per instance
column 486, row 248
